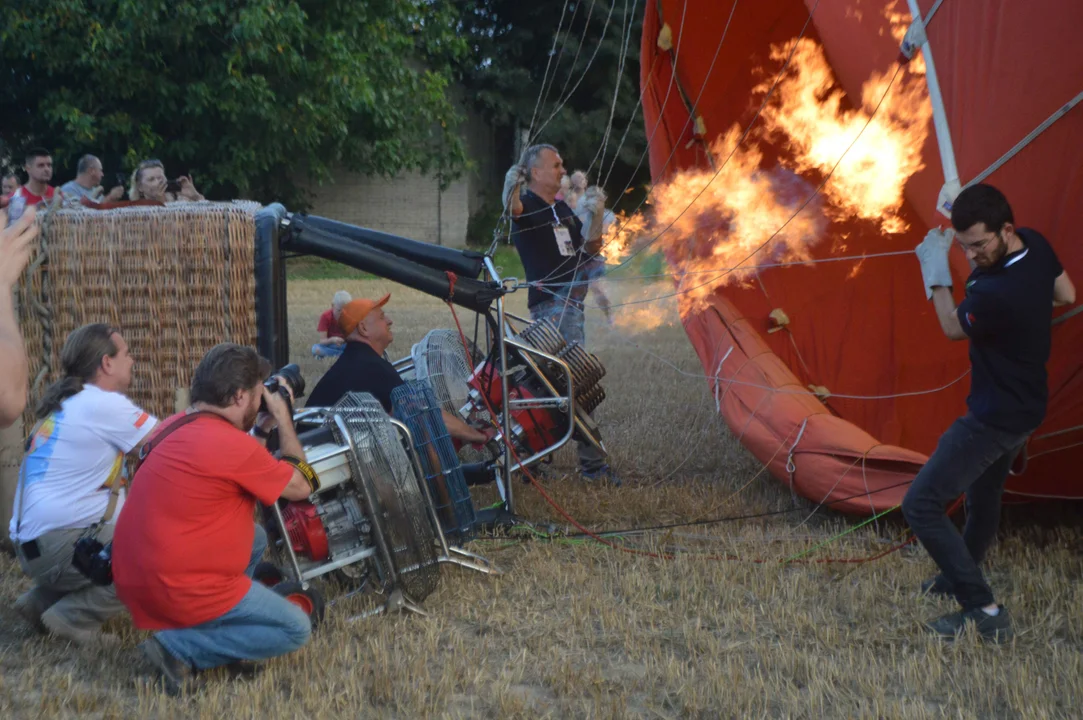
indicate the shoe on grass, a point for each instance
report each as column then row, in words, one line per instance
column 58, row 627
column 177, row 675
column 939, row 586
column 992, row 628
column 603, row 474
column 30, row 608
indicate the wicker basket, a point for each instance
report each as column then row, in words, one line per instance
column 176, row 280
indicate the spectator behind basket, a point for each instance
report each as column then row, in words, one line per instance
column 88, row 183
column 71, row 480
column 39, row 168
column 334, row 340
column 149, row 183
column 186, row 546
column 9, row 183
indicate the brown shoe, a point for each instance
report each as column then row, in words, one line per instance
column 177, row 675
column 57, row 626
column 29, row 606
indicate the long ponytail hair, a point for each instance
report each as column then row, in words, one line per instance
column 80, row 358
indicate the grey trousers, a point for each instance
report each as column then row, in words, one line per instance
column 62, row 591
column 567, row 314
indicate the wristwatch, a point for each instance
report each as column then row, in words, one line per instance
column 260, row 432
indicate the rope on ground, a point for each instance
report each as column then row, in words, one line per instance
column 598, row 537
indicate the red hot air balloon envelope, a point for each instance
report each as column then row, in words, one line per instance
column 836, row 374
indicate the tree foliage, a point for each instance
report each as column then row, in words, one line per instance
column 519, row 77
column 253, row 97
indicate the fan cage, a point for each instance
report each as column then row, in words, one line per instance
column 381, row 461
column 441, row 361
column 415, row 404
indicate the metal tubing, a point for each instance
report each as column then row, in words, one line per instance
column 502, row 337
column 341, row 562
column 572, row 419
column 289, row 546
column 373, row 507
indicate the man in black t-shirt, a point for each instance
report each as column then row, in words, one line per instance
column 549, row 238
column 1006, row 315
column 362, row 367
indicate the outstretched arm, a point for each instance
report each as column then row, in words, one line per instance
column 459, row 430
column 16, row 243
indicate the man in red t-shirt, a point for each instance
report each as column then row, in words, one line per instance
column 39, row 167
column 334, row 340
column 185, row 545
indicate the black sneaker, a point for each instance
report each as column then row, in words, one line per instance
column 992, row 628
column 938, row 585
column 177, row 675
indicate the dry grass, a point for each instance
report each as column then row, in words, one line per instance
column 578, row 630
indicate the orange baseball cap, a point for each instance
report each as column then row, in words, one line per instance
column 355, row 311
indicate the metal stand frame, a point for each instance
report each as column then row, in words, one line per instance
column 450, row 554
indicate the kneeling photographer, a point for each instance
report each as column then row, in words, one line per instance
column 70, row 485
column 186, row 546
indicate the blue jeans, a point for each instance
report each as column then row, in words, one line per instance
column 565, row 310
column 970, row 458
column 322, row 350
column 262, row 625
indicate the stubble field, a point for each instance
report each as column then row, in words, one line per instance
column 575, row 629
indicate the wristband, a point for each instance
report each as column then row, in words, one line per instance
column 306, row 470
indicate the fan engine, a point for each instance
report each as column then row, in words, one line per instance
column 370, row 508
column 535, row 384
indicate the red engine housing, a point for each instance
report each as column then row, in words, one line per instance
column 541, row 426
column 306, row 531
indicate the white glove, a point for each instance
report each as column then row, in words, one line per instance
column 933, row 255
column 594, row 199
column 515, row 175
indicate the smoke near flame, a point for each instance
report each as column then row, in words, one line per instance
column 738, row 214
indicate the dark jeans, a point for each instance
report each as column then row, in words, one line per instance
column 973, row 458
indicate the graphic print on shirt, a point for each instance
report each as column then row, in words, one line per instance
column 41, row 450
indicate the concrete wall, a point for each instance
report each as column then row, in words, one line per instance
column 411, row 204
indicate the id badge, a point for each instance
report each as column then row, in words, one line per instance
column 564, row 240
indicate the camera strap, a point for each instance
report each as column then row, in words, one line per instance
column 164, row 432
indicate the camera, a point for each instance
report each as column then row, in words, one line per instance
column 94, row 560
column 290, row 375
column 173, row 186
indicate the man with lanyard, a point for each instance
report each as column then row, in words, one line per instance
column 1006, row 315
column 362, row 368
column 549, row 238
column 70, row 483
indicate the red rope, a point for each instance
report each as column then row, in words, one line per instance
column 632, row 551
column 452, row 278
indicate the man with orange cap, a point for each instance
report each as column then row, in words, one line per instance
column 362, row 367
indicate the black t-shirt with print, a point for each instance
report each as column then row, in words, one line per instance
column 1007, row 314
column 535, row 239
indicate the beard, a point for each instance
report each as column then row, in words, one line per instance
column 250, row 414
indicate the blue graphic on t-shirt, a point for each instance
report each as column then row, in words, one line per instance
column 42, row 445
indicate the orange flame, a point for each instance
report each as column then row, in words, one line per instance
column 717, row 224
column 879, row 153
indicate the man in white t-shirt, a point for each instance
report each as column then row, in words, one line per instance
column 72, row 479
